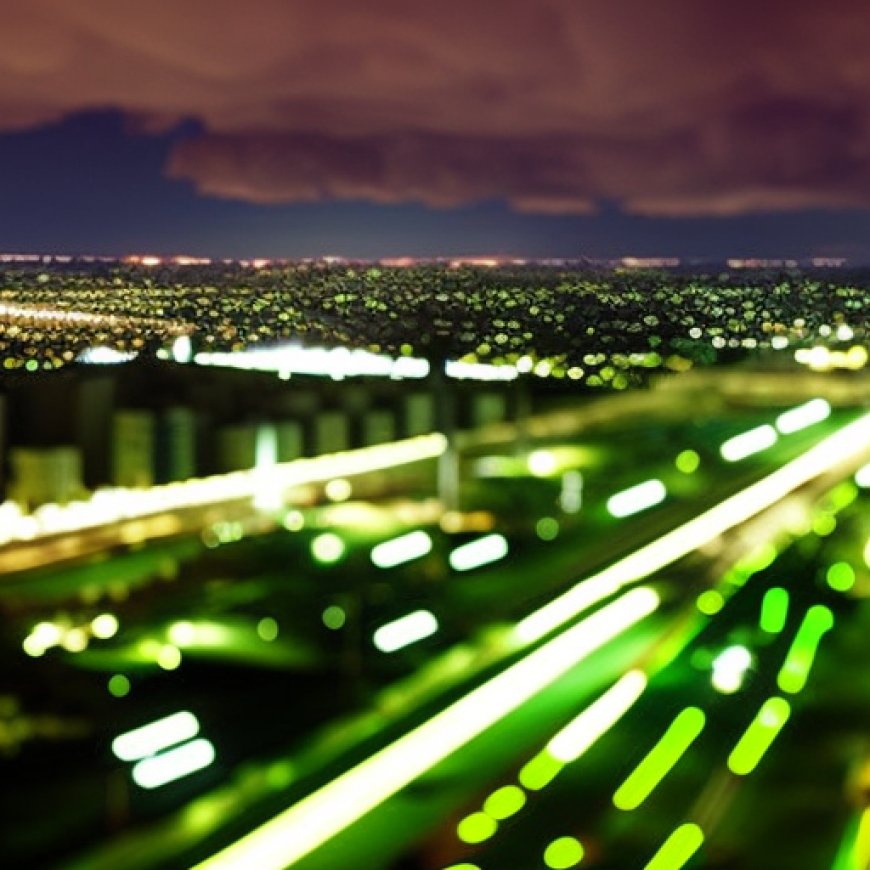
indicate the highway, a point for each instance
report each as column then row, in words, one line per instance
column 377, row 683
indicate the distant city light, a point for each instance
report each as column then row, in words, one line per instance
column 105, row 356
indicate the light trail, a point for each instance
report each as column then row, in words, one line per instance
column 660, row 760
column 108, row 506
column 155, row 736
column 315, row 819
column 848, row 443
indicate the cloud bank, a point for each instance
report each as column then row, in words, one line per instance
column 669, row 108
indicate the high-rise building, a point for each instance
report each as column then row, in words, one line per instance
column 133, row 443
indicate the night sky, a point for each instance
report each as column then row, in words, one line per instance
column 393, row 127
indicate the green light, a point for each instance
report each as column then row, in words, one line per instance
column 842, row 495
column 757, row 738
column 793, row 674
column 307, row 824
column 841, row 576
column 327, row 548
column 698, row 531
column 547, row 528
column 824, row 524
column 562, row 853
column 505, row 802
column 539, row 771
column 476, row 828
column 687, row 461
column 710, row 602
column 118, row 686
column 267, row 629
column 660, row 760
column 462, row 867
column 334, row 617
column 759, row 559
column 774, row 610
column 677, row 849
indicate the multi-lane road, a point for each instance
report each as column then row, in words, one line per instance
column 590, row 663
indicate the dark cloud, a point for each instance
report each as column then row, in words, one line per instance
column 674, row 107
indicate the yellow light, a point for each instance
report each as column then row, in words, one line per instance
column 476, row 828
column 505, row 802
column 306, row 825
column 327, row 548
column 563, row 853
column 687, row 461
column 104, row 626
column 182, row 633
column 542, row 463
column 169, row 657
column 338, row 489
column 600, row 716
